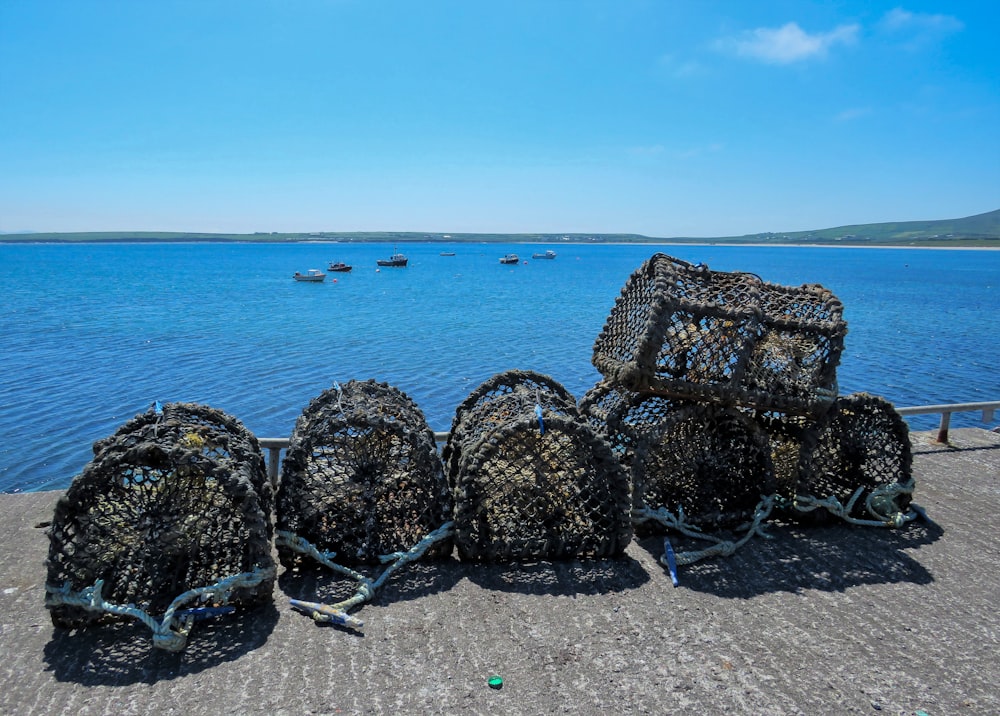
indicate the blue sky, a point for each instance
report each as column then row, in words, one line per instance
column 664, row 118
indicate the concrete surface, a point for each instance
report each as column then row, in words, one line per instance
column 832, row 620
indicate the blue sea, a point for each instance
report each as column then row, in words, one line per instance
column 92, row 334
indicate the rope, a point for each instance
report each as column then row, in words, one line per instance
column 340, row 396
column 165, row 636
column 338, row 613
column 721, row 548
column 158, row 411
column 880, row 504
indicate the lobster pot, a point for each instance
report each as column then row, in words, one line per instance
column 532, row 479
column 168, row 505
column 688, row 332
column 504, row 397
column 861, row 444
column 553, row 491
column 709, row 462
column 361, row 476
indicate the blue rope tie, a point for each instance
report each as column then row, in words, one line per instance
column 668, row 552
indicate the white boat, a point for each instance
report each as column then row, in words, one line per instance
column 510, row 259
column 550, row 254
column 311, row 276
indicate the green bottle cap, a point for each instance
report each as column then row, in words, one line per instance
column 495, row 682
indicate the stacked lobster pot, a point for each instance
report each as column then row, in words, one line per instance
column 532, row 480
column 169, row 523
column 720, row 389
column 710, row 463
column 361, row 484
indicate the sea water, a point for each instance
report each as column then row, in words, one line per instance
column 92, row 334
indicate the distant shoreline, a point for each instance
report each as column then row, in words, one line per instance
column 847, row 246
column 981, row 231
column 706, row 243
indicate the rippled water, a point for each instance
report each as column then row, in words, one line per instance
column 92, row 334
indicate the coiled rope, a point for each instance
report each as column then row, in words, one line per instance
column 880, row 504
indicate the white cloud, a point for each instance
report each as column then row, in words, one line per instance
column 919, row 30
column 788, row 43
column 900, row 20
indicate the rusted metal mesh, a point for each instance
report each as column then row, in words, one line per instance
column 685, row 331
column 177, row 499
column 708, row 462
column 861, row 443
column 361, row 476
column 529, row 488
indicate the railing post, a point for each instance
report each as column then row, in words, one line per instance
column 273, row 458
column 942, row 436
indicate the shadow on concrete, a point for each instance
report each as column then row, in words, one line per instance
column 797, row 558
column 122, row 652
column 419, row 579
column 413, row 581
column 569, row 578
column 933, row 448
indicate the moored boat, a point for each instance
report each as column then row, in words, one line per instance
column 311, row 276
column 550, row 254
column 339, row 267
column 510, row 259
column 397, row 259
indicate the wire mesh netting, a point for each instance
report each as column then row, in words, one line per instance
column 176, row 500
column 532, row 479
column 361, row 477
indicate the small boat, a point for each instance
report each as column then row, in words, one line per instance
column 397, row 259
column 312, row 276
column 510, row 259
column 550, row 254
column 447, row 253
column 339, row 267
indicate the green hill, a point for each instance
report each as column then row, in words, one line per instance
column 978, row 230
column 982, row 230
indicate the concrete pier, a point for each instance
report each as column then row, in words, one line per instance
column 831, row 620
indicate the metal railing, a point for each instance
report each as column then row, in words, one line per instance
column 274, row 446
column 946, row 411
